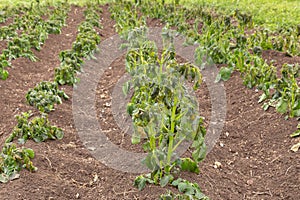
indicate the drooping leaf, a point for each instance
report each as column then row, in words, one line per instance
column 29, row 152
column 165, row 180
column 126, row 88
column 295, row 134
column 282, row 106
column 262, row 98
column 150, row 161
column 224, row 74
column 189, row 165
column 140, row 181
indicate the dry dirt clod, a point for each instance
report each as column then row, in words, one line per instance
column 217, row 165
column 295, row 147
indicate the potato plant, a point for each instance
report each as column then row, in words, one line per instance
column 69, row 57
column 3, row 64
column 126, row 15
column 5, row 13
column 19, row 47
column 286, row 40
column 163, row 113
column 162, row 109
column 14, row 158
column 189, row 190
column 44, row 95
column 21, row 16
column 286, row 95
column 7, row 32
column 34, row 32
column 66, row 75
column 38, row 129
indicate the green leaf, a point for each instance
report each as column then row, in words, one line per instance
column 130, row 108
column 199, row 153
column 61, row 81
column 4, row 74
column 59, row 134
column 282, row 106
column 186, row 188
column 167, row 196
column 126, row 88
column 21, row 140
column 262, row 98
column 165, row 180
column 29, row 152
column 140, row 182
column 295, row 134
column 146, row 146
column 200, row 195
column 188, row 164
column 14, row 176
column 135, row 138
column 296, row 113
column 224, row 74
column 150, row 161
column 266, row 106
column 38, row 139
column 177, row 181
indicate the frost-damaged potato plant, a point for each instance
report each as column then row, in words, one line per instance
column 39, row 129
column 164, row 114
column 13, row 159
column 85, row 46
column 44, row 95
column 3, row 64
column 30, row 31
column 126, row 17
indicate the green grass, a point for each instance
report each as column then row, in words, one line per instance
column 272, row 13
column 13, row 3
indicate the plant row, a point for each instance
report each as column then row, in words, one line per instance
column 227, row 39
column 44, row 96
column 8, row 12
column 164, row 114
column 30, row 31
column 85, row 46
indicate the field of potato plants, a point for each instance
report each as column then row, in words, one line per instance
column 46, row 45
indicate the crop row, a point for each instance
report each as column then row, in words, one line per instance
column 14, row 158
column 10, row 12
column 230, row 40
column 227, row 39
column 164, row 114
column 30, row 31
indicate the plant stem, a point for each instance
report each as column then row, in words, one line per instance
column 175, row 147
column 171, row 134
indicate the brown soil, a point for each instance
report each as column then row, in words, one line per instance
column 255, row 156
